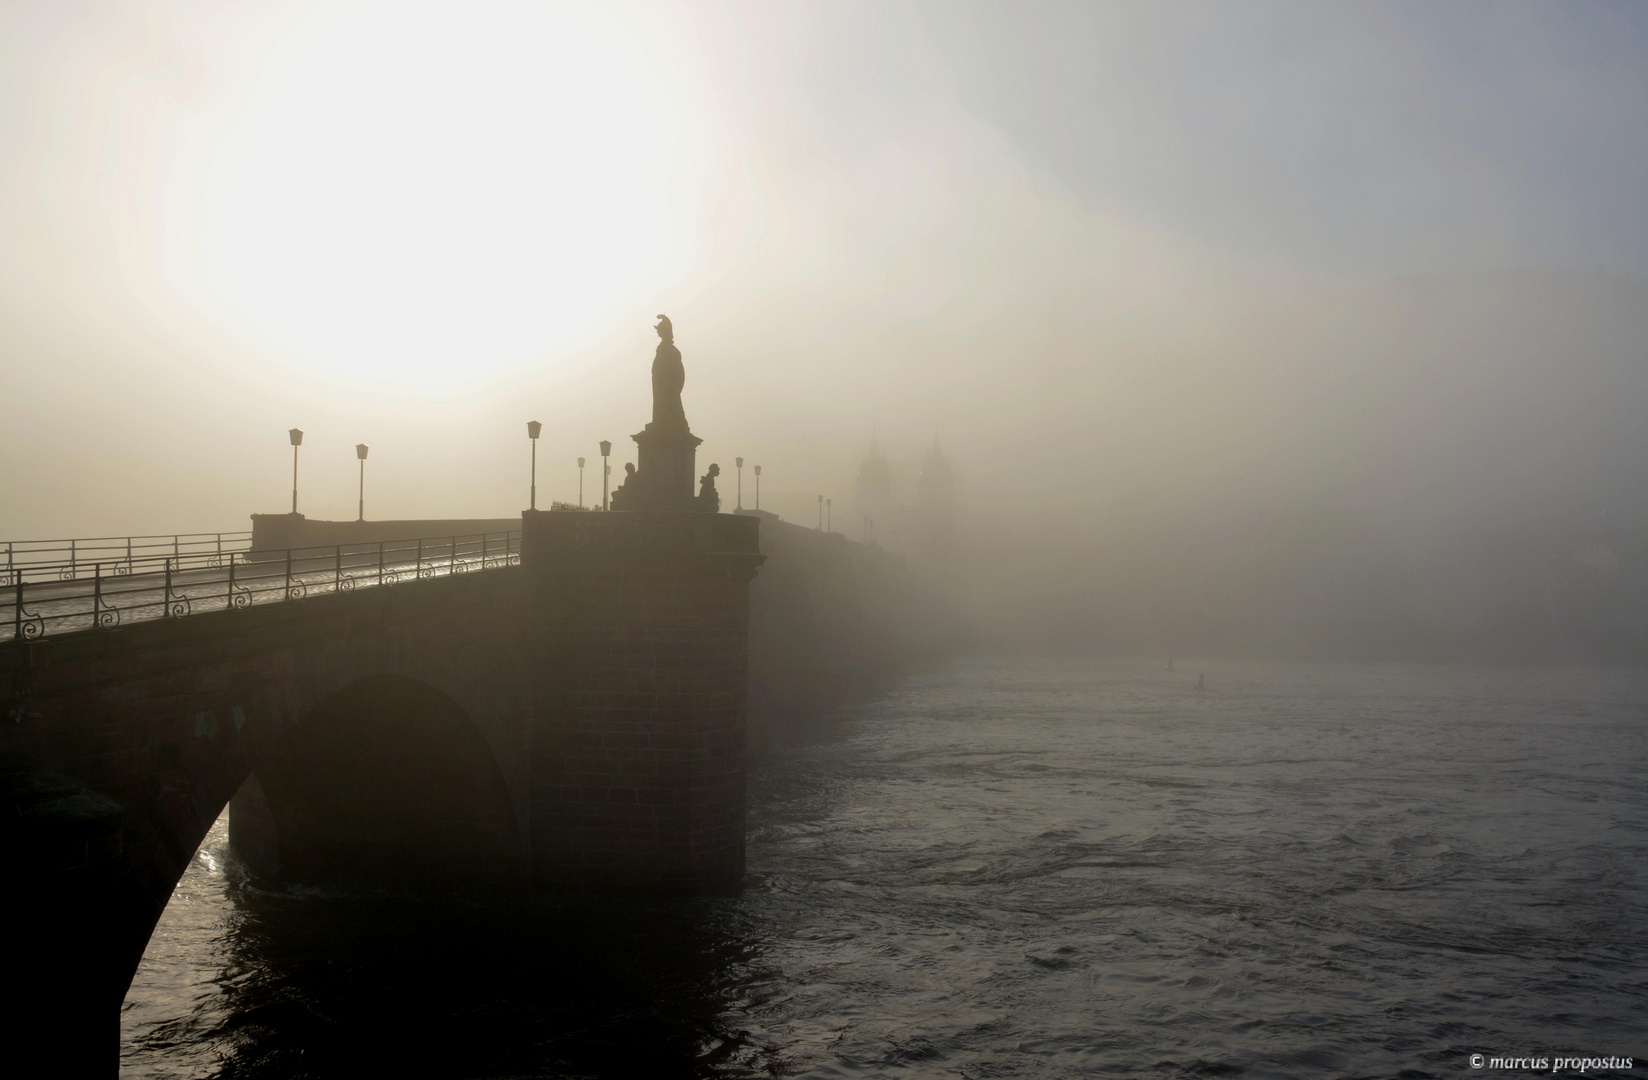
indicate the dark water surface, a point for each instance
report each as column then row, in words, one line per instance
column 1013, row 867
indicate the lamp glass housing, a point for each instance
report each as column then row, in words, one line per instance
column 533, row 427
column 360, row 451
column 296, row 436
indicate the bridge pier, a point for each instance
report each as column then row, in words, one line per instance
column 638, row 727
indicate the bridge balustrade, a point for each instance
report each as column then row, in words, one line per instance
column 107, row 583
column 67, row 560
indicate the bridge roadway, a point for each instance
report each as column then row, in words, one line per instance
column 573, row 716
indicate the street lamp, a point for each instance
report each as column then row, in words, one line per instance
column 580, row 483
column 829, row 505
column 297, row 440
column 758, row 487
column 740, row 463
column 606, row 470
column 821, row 513
column 532, row 430
column 360, row 452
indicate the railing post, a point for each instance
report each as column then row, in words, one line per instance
column 97, row 595
column 177, row 607
column 452, row 558
column 380, row 562
column 419, row 574
column 176, row 554
column 220, row 545
column 288, row 574
column 72, row 569
column 337, row 566
column 484, row 545
column 17, row 612
column 129, row 565
column 229, row 595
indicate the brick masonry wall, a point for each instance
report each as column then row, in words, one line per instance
column 638, row 739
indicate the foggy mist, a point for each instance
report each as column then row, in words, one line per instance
column 1125, row 551
column 1271, row 329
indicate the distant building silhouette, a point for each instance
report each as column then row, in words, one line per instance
column 873, row 488
column 920, row 523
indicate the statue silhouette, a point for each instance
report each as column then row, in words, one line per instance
column 708, row 499
column 668, row 377
column 666, row 448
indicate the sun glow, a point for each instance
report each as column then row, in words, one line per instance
column 412, row 192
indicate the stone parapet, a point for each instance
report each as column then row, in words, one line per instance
column 626, row 543
column 276, row 532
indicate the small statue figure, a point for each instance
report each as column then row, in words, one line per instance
column 708, row 500
column 668, row 377
column 624, row 492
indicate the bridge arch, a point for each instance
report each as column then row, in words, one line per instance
column 387, row 777
column 582, row 713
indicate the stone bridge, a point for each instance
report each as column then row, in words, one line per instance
column 577, row 720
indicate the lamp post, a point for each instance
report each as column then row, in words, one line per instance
column 580, row 483
column 360, row 452
column 740, row 463
column 758, row 487
column 532, row 430
column 297, row 440
column 829, row 506
column 821, row 513
column 606, row 470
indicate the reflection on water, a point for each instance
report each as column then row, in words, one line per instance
column 1017, row 868
column 254, row 983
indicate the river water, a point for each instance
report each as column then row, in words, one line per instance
column 1019, row 868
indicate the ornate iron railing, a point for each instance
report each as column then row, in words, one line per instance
column 67, row 560
column 105, row 594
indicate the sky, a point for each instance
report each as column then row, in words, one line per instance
column 1127, row 262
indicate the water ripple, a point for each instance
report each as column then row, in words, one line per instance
column 1019, row 868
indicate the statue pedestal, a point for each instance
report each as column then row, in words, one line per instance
column 665, row 474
